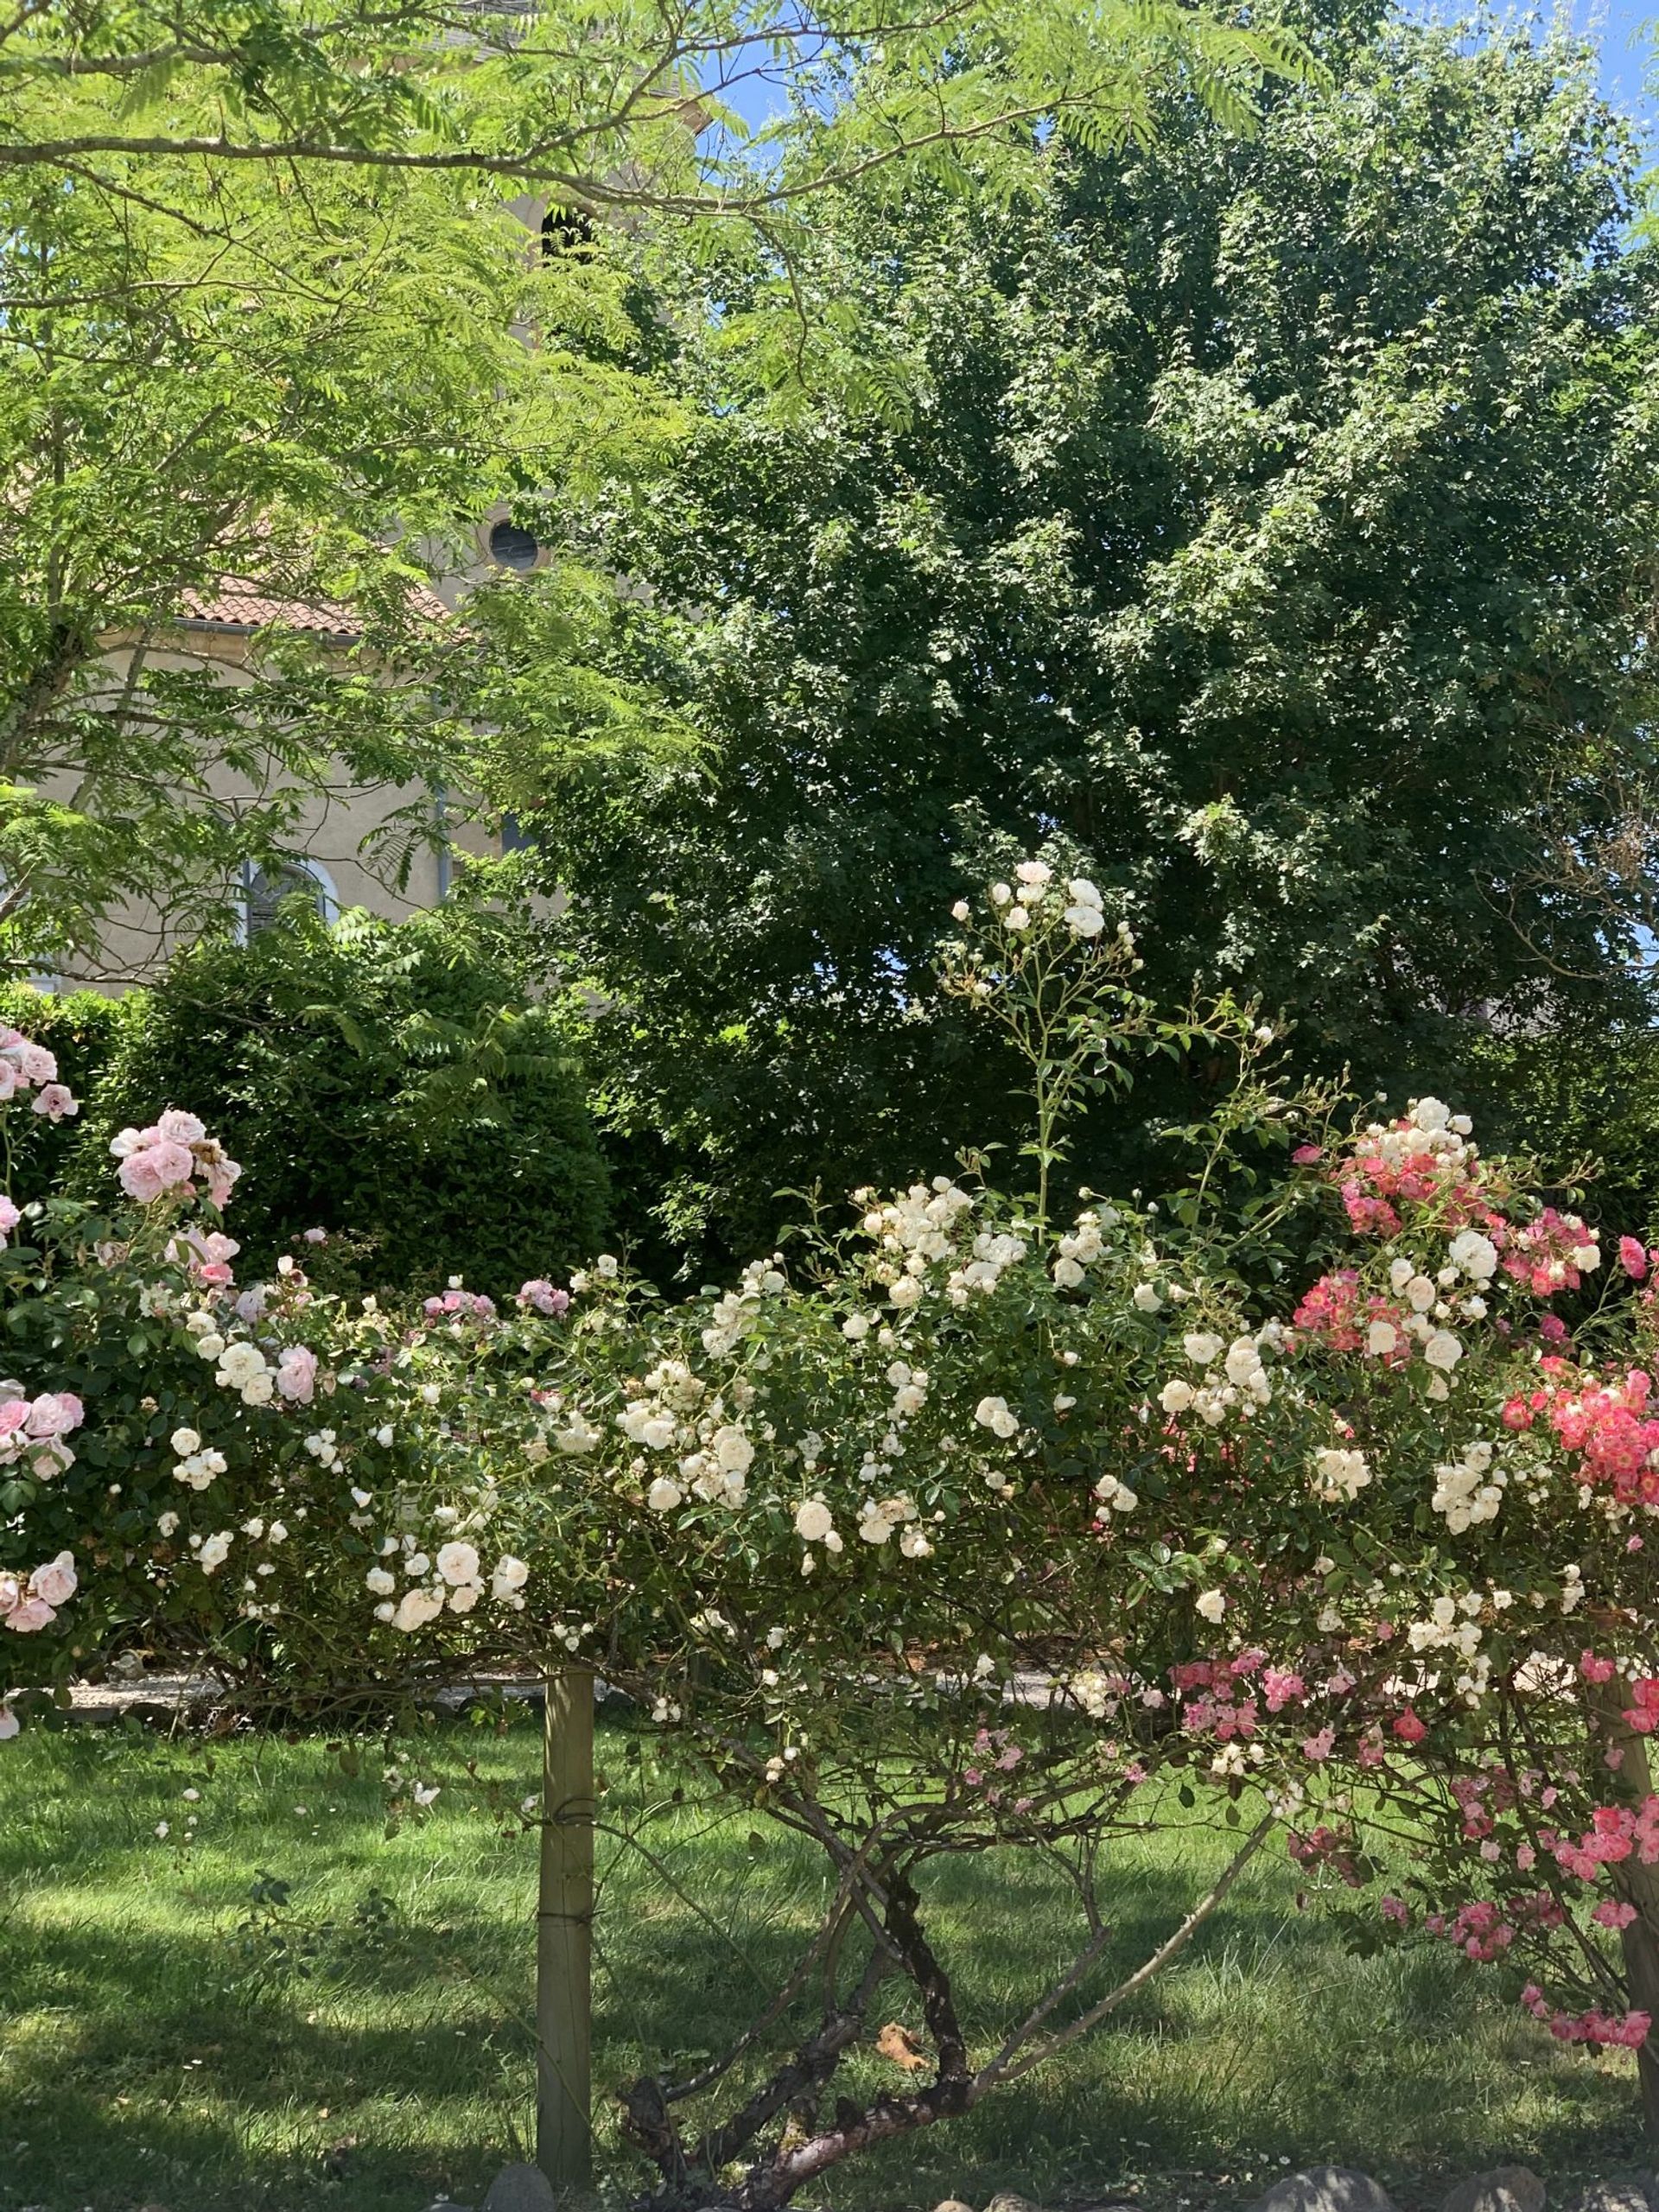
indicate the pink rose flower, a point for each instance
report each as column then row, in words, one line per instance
column 296, row 1374
column 57, row 1103
column 55, row 1412
column 33, row 1614
column 56, row 1582
column 1632, row 1257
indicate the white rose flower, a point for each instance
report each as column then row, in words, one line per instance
column 664, row 1494
column 1084, row 921
column 1382, row 1337
column 1443, row 1350
column 380, row 1582
column 1147, row 1298
column 415, row 1608
column 1068, row 1274
column 185, row 1441
column 1201, row 1346
column 1176, row 1395
column 1211, row 1604
column 457, row 1563
column 509, row 1576
column 1476, row 1255
column 994, row 1413
column 813, row 1521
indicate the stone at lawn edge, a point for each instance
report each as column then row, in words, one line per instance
column 520, row 2188
column 953, row 2204
column 1505, row 2188
column 1325, row 2189
column 1006, row 2201
column 1637, row 2192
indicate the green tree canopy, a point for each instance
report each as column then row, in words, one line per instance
column 1272, row 523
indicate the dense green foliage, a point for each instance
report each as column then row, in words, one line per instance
column 81, row 1029
column 385, row 1082
column 1275, row 521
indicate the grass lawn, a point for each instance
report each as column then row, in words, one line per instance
column 165, row 2042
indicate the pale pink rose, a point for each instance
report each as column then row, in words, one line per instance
column 57, row 1103
column 56, row 1582
column 296, row 1374
column 127, row 1141
column 14, row 1415
column 9, row 1217
column 177, row 1127
column 10, row 1081
column 34, row 1614
column 35, row 1063
column 221, row 1180
column 11, row 1592
column 54, row 1413
column 158, row 1168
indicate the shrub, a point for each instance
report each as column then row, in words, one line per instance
column 388, row 1082
column 82, row 1031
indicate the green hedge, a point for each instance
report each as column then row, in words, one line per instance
column 84, row 1030
column 389, row 1083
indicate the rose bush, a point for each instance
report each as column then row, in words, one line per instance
column 977, row 1525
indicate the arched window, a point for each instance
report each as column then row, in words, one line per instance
column 513, row 547
column 265, row 889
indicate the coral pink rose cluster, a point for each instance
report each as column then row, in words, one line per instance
column 27, row 1606
column 165, row 1159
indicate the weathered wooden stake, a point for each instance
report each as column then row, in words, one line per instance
column 564, row 1923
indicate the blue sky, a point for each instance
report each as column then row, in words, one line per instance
column 1622, row 29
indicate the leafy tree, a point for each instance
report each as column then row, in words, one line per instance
column 265, row 300
column 1274, row 522
column 312, row 395
column 624, row 107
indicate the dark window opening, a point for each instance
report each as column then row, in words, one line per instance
column 512, row 547
column 565, row 230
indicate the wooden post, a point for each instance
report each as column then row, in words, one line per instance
column 1636, row 1884
column 564, row 1922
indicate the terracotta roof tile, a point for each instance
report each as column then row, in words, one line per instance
column 238, row 604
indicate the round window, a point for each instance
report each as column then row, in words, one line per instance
column 512, row 548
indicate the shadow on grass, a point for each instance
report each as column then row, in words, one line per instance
column 150, row 2055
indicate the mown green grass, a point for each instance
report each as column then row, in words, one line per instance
column 155, row 2051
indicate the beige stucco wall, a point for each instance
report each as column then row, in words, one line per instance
column 334, row 832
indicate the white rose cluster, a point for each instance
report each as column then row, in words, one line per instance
column 1339, row 1474
column 736, row 1311
column 196, row 1467
column 1234, row 1377
column 1429, row 1126
column 678, row 1415
column 879, row 1517
column 1469, row 1490
column 452, row 1579
column 1080, row 1248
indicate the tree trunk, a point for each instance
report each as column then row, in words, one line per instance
column 564, row 1932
